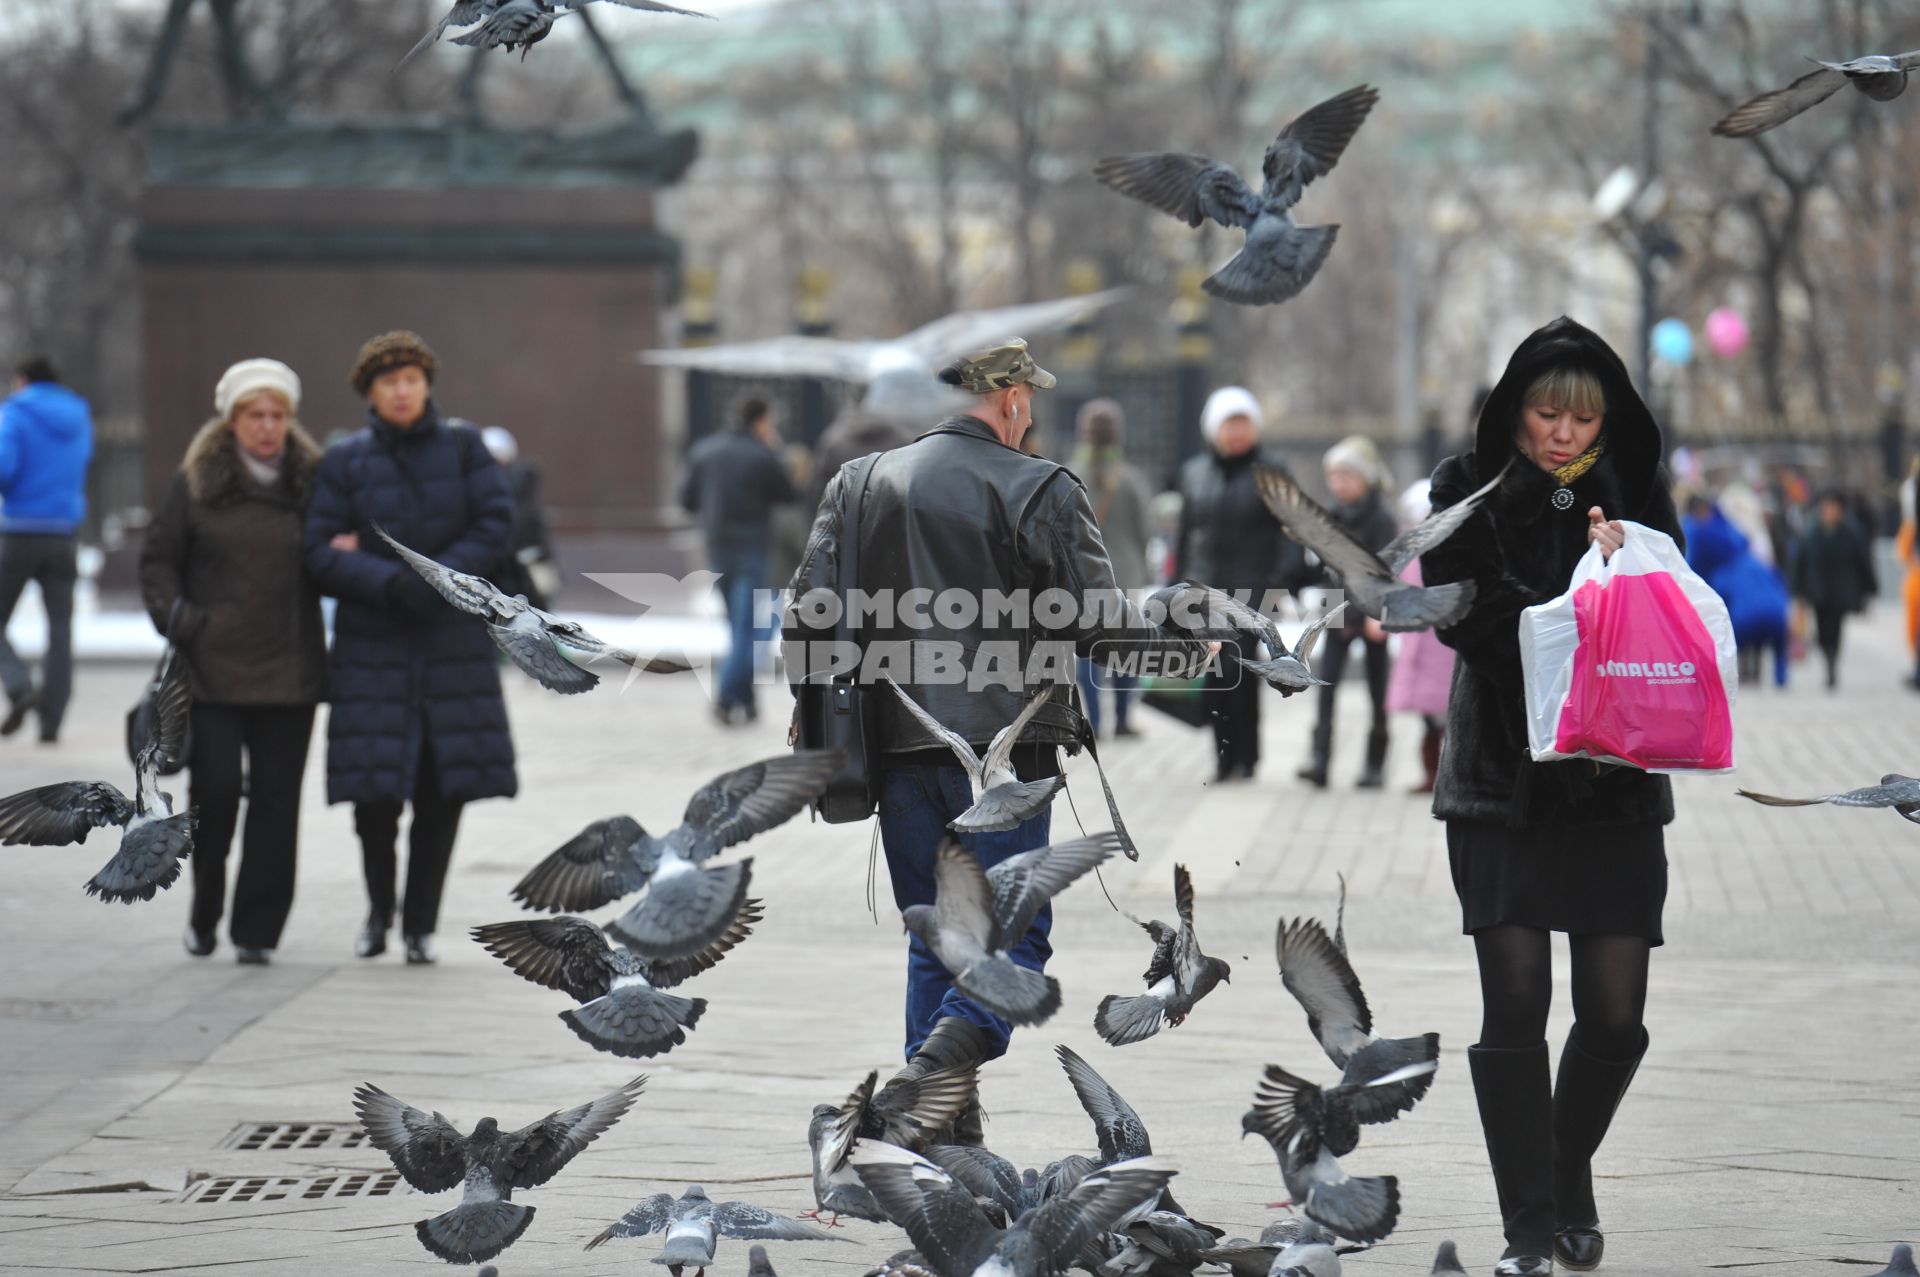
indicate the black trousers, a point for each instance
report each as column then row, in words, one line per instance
column 50, row 560
column 274, row 740
column 436, row 820
column 1332, row 663
column 1233, row 699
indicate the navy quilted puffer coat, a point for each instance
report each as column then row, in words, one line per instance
column 407, row 668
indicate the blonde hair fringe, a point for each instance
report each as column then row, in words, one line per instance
column 1574, row 389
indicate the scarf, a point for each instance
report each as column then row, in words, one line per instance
column 265, row 473
column 1581, row 464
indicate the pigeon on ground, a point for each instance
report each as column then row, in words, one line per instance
column 689, row 905
column 1117, row 1129
column 1901, row 1265
column 1280, row 256
column 1902, row 793
column 1177, row 978
column 694, row 1223
column 910, row 1111
column 1309, row 1129
column 1879, row 76
column 154, row 840
column 1003, row 801
column 1203, row 612
column 1446, row 1261
column 548, row 649
column 1372, row 581
column 1245, row 1258
column 491, row 1163
column 904, row 1263
column 521, row 24
column 1160, row 1243
column 1311, row 1254
column 758, row 1265
column 1322, row 981
column 622, row 1010
column 979, row 914
column 958, row 1239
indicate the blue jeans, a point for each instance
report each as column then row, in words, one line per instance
column 741, row 574
column 1122, row 685
column 916, row 802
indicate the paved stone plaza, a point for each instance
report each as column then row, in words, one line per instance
column 1773, row 1128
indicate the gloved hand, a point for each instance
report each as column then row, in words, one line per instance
column 413, row 596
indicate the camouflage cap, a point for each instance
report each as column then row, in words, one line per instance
column 1000, row 365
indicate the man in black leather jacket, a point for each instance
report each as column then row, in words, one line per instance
column 998, row 581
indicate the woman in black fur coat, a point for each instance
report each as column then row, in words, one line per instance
column 1571, row 846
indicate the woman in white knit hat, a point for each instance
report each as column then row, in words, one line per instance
column 1228, row 539
column 221, row 575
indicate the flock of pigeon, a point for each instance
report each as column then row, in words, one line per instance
column 890, row 1154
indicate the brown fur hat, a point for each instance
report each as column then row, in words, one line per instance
column 392, row 350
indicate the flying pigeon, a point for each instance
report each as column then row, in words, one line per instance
column 689, row 905
column 958, row 1239
column 548, row 649
column 1446, row 1261
column 154, row 840
column 1177, row 978
column 623, row 1010
column 1122, row 1137
column 491, row 1163
column 1901, row 1265
column 1323, row 982
column 1879, row 76
column 694, row 1223
column 1310, row 1129
column 1280, row 256
column 1340, row 918
column 1207, row 613
column 1004, row 800
column 909, row 1111
column 1902, row 793
column 521, row 24
column 979, row 914
column 1372, row 581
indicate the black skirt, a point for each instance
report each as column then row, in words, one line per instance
column 1606, row 882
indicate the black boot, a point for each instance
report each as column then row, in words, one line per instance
column 1514, row 1088
column 1375, row 774
column 1429, row 760
column 1585, row 1097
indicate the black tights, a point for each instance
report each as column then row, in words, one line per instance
column 1516, row 989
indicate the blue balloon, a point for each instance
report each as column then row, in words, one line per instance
column 1673, row 341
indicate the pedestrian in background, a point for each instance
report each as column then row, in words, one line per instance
column 1122, row 504
column 1755, row 595
column 1228, row 539
column 531, row 569
column 417, row 712
column 1356, row 479
column 1833, row 574
column 221, row 574
column 46, row 442
column 791, row 520
column 1907, row 547
column 1422, row 674
column 733, row 482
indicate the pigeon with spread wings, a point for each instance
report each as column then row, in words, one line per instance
column 694, row 1224
column 1280, row 257
column 1207, row 613
column 1177, row 978
column 624, row 1007
column 689, row 904
column 1902, row 793
column 1003, row 801
column 433, row 1156
column 909, row 1111
column 1316, row 972
column 548, row 649
column 154, row 840
column 521, row 24
column 1879, row 76
column 1372, row 581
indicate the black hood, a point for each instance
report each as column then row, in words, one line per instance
column 1633, row 437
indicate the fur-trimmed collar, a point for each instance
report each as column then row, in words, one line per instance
column 216, row 476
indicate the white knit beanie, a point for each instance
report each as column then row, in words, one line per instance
column 250, row 375
column 1228, row 401
column 1358, row 454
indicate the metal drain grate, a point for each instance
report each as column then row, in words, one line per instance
column 279, row 1137
column 238, row 1190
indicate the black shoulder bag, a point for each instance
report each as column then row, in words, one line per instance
column 838, row 713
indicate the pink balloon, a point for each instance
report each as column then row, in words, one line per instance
column 1726, row 332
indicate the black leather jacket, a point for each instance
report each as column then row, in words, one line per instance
column 959, row 510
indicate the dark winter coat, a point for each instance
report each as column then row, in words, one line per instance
column 1521, row 549
column 1833, row 570
column 733, row 481
column 1228, row 538
column 406, row 664
column 229, row 549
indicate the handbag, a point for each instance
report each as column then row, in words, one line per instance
column 839, row 713
column 140, row 719
column 1183, row 699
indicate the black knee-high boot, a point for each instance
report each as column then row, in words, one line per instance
column 1585, row 1097
column 1514, row 1086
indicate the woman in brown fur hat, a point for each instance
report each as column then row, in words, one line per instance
column 221, row 573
